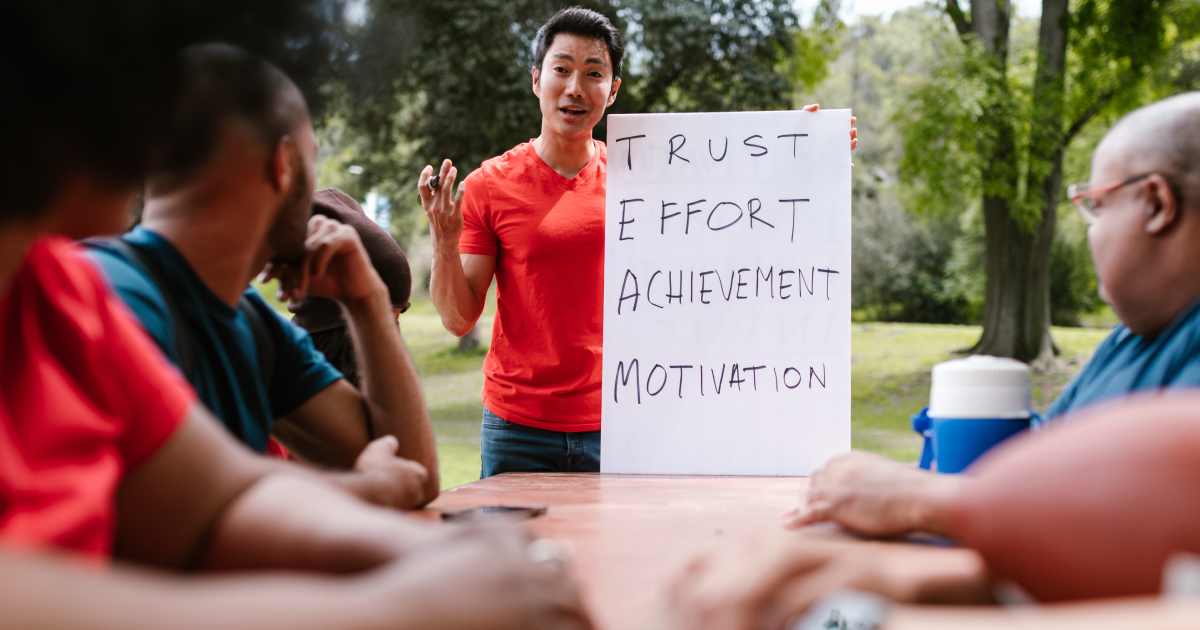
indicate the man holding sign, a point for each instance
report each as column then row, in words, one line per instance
column 534, row 218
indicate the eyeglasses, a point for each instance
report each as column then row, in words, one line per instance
column 1084, row 196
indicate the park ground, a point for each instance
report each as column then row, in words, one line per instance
column 890, row 367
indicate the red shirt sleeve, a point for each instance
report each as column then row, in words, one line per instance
column 478, row 235
column 116, row 362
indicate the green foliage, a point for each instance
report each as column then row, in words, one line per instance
column 420, row 81
column 815, row 45
column 942, row 122
column 1121, row 54
column 901, row 264
column 709, row 55
column 1074, row 289
column 907, row 266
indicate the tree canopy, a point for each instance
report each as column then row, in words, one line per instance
column 422, row 81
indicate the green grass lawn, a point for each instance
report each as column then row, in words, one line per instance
column 890, row 366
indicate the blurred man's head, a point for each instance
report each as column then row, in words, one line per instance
column 241, row 133
column 579, row 54
column 89, row 86
column 1145, row 235
column 86, row 93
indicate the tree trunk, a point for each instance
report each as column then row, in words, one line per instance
column 1016, row 321
column 1016, row 318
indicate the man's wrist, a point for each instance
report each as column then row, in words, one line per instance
column 446, row 250
column 377, row 300
column 934, row 501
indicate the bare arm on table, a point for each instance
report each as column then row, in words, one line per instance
column 334, row 427
column 205, row 501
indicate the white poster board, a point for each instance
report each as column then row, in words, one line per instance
column 726, row 293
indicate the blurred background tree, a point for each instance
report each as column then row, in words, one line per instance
column 422, row 81
column 973, row 119
column 994, row 121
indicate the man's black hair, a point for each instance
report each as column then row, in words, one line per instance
column 584, row 23
column 90, row 86
column 220, row 83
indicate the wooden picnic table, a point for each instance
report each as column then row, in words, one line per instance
column 631, row 533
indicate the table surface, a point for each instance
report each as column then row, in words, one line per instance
column 632, row 533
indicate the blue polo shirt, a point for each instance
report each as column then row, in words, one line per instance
column 1126, row 363
column 228, row 378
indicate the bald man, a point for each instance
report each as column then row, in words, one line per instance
column 1142, row 206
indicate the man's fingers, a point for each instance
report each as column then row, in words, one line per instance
column 446, row 187
column 443, row 172
column 458, row 198
column 809, row 513
column 794, row 598
column 300, row 279
column 387, row 444
column 812, row 108
column 271, row 272
column 423, row 183
column 318, row 260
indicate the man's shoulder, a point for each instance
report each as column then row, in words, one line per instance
column 128, row 277
column 511, row 163
column 134, row 284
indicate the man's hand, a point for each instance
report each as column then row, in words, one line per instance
column 392, row 480
column 853, row 130
column 767, row 583
column 481, row 579
column 877, row 496
column 335, row 265
column 443, row 213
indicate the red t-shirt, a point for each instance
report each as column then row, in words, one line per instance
column 84, row 397
column 547, row 233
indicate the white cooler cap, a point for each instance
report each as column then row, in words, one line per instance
column 980, row 387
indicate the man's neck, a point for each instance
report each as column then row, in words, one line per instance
column 220, row 240
column 567, row 156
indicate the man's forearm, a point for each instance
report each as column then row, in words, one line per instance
column 395, row 404
column 43, row 591
column 456, row 301
column 1112, row 614
column 292, row 521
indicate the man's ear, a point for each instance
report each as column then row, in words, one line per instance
column 537, row 89
column 280, row 171
column 1162, row 208
column 612, row 95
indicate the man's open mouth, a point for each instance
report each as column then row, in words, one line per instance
column 572, row 111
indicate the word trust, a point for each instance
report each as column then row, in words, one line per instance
column 754, row 146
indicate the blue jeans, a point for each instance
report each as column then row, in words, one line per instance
column 511, row 447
